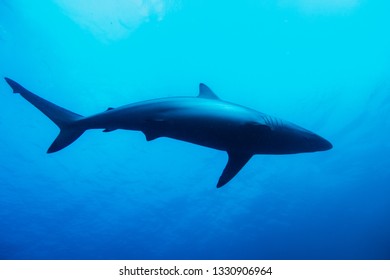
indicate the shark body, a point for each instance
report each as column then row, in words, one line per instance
column 204, row 120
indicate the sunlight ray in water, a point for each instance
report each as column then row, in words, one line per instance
column 116, row 19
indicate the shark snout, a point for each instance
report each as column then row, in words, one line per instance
column 322, row 144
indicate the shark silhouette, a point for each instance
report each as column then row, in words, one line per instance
column 204, row 120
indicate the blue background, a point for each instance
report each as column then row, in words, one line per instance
column 324, row 65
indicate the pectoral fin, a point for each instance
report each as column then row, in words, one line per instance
column 150, row 135
column 235, row 163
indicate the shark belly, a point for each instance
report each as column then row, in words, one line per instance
column 223, row 128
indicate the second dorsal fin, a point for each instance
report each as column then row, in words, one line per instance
column 206, row 92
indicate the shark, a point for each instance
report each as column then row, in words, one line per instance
column 204, row 120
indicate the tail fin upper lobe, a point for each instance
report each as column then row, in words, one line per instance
column 64, row 119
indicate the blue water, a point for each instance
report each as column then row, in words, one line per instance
column 324, row 65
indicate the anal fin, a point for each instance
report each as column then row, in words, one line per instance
column 235, row 163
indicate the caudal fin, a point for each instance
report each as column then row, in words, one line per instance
column 66, row 120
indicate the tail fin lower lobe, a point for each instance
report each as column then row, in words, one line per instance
column 63, row 118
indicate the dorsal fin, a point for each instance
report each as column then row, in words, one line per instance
column 206, row 92
column 109, row 109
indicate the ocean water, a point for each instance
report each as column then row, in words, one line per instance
column 324, row 65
